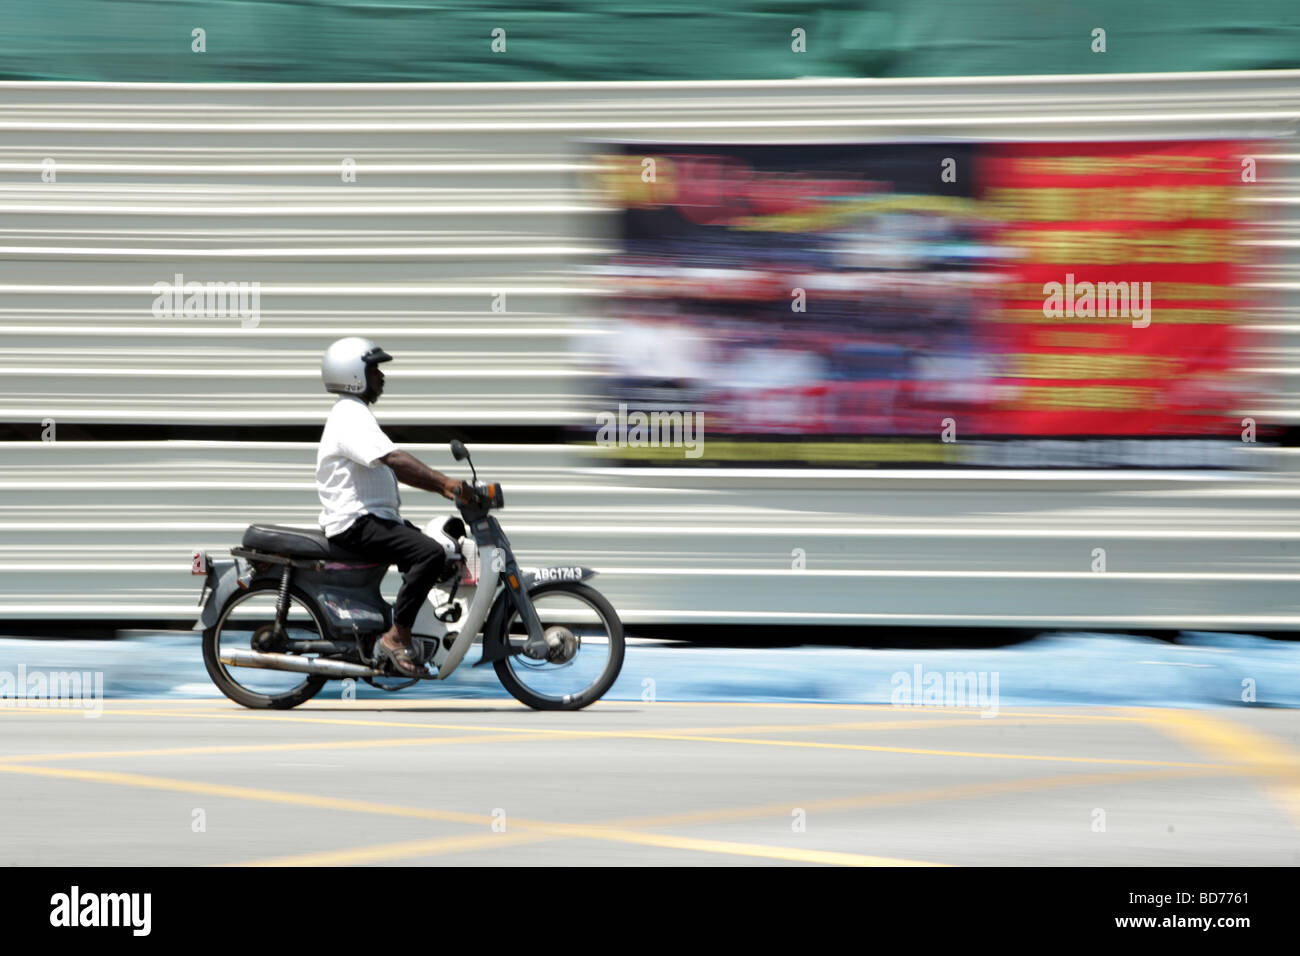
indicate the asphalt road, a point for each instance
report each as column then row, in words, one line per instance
column 484, row 782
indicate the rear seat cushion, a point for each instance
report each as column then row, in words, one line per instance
column 299, row 542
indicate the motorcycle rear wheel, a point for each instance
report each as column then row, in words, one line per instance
column 243, row 615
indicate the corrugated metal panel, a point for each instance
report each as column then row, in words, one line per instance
column 467, row 191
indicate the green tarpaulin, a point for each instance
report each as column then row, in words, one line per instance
column 423, row 40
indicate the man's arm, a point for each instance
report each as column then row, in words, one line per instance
column 411, row 471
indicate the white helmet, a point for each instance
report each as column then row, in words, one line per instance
column 343, row 369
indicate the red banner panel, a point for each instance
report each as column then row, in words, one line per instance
column 1120, row 312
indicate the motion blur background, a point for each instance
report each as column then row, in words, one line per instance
column 480, row 242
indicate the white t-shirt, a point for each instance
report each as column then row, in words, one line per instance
column 350, row 478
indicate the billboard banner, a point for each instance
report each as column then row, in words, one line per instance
column 962, row 304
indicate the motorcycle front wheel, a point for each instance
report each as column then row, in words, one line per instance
column 244, row 615
column 586, row 638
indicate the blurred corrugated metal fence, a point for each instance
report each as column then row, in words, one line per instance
column 465, row 192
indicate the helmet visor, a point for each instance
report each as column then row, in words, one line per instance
column 375, row 356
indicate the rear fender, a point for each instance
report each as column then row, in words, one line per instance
column 220, row 583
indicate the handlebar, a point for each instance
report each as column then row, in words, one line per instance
column 486, row 496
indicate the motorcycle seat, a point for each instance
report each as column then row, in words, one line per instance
column 294, row 542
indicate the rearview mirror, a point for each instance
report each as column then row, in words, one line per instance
column 458, row 450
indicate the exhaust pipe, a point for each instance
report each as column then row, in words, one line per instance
column 292, row 662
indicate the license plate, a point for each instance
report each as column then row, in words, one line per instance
column 199, row 562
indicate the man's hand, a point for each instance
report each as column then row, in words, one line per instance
column 411, row 471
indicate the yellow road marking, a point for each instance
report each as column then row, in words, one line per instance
column 546, row 830
column 878, row 748
column 388, row 852
column 894, row 708
column 652, row 735
column 905, row 724
column 1225, row 738
column 496, row 705
column 896, row 798
column 396, row 851
column 700, row 738
column 290, row 718
column 1243, row 746
column 244, row 793
column 573, row 830
column 752, row 849
column 1264, row 756
column 509, row 737
column 372, row 742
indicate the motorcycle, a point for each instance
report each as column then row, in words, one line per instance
column 289, row 612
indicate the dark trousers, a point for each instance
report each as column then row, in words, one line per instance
column 417, row 556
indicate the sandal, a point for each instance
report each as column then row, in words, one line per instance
column 404, row 658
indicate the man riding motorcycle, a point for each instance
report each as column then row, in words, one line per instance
column 357, row 471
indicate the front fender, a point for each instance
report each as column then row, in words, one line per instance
column 494, row 648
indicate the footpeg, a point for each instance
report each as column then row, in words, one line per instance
column 426, row 647
column 386, row 659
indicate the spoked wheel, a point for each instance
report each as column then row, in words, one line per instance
column 247, row 623
column 586, row 639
